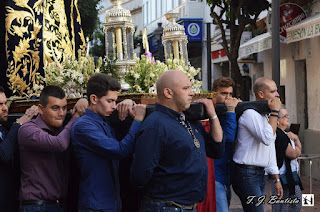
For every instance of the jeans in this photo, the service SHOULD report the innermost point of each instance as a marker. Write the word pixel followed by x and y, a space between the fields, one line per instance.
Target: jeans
pixel 250 186
pixel 147 205
pixel 223 196
pixel 40 208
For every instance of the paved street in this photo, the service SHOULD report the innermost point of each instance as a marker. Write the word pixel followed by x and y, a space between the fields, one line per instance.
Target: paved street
pixel 235 205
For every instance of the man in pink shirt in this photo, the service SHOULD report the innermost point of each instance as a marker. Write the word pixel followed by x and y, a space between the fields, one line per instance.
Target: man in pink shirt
pixel 42 144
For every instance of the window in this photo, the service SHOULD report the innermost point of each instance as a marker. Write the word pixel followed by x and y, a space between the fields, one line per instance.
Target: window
pixel 149 10
pixel 163 7
pixel 145 14
pixel 158 2
pixel 175 3
pixel 152 10
pixel 169 5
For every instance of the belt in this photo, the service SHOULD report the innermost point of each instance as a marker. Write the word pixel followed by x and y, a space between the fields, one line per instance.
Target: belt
pixel 249 167
pixel 41 202
pixel 173 203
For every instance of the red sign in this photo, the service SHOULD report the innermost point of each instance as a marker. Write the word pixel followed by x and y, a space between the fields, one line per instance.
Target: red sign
pixel 290 14
pixel 218 54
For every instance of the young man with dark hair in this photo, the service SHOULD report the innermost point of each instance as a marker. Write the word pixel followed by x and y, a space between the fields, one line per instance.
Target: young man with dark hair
pixel 42 144
pixel 223 88
pixel 96 148
pixel 8 145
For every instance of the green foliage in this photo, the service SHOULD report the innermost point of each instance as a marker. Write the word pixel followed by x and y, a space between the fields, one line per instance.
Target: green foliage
pixel 89 15
pixel 235 15
pixel 98 48
pixel 247 7
pixel 137 39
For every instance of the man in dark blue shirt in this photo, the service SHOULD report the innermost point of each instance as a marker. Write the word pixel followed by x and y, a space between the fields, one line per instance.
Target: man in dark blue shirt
pixel 8 145
pixel 96 149
pixel 169 162
pixel 223 87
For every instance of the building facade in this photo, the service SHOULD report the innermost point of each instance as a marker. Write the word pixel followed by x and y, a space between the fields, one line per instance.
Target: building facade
pixel 299 78
pixel 193 15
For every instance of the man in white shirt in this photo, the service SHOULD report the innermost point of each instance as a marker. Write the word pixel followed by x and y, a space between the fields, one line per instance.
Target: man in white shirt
pixel 255 149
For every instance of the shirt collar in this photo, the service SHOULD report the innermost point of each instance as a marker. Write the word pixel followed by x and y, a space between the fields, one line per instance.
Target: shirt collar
pixel 40 123
pixel 95 115
pixel 172 113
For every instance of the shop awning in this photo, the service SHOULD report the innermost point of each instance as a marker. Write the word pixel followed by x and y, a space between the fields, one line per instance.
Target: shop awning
pixel 307 28
pixel 257 44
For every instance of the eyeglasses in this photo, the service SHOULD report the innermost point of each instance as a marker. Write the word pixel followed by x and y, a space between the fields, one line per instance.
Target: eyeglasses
pixel 285 116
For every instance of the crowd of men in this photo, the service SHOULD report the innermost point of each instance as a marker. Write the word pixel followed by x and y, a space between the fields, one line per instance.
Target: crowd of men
pixel 169 167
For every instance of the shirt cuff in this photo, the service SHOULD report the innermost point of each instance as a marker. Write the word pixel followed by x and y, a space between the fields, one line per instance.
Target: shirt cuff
pixel 135 127
pixel 272 170
pixel 231 114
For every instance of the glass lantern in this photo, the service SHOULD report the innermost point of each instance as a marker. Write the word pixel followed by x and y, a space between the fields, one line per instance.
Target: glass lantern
pixel 119 31
pixel 174 39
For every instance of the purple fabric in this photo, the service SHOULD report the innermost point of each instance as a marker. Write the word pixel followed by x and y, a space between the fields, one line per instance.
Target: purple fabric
pixel 150 56
pixel 42 160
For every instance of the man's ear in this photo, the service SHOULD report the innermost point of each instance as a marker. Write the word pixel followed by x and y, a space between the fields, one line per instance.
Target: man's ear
pixel 168 93
pixel 40 108
pixel 261 94
pixel 93 99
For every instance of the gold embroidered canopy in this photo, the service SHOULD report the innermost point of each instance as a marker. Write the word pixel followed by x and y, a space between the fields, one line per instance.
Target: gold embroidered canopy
pixel 36 32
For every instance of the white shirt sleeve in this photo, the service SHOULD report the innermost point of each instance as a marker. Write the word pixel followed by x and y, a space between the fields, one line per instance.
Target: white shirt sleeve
pixel 258 126
pixel 272 167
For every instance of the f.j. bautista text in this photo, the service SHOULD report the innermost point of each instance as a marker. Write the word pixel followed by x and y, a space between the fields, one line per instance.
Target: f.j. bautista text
pixel 273 200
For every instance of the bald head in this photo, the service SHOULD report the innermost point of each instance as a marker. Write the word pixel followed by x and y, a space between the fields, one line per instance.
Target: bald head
pixel 265 89
pixel 169 79
pixel 174 90
pixel 261 84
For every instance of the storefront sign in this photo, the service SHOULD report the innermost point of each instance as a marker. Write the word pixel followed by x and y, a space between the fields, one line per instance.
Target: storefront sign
pixel 193 28
pixel 257 44
pixel 307 29
pixel 290 15
pixel 218 54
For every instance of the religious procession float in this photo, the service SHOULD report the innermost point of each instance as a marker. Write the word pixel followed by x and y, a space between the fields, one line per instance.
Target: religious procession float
pixel 41 50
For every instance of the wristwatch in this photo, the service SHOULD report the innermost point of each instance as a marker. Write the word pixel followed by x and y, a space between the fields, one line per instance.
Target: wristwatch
pixel 276 180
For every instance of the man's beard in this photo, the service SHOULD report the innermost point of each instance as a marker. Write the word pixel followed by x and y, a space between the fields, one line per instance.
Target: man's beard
pixel 3 120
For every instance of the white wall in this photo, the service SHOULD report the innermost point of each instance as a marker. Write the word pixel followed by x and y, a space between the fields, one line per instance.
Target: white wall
pixel 313 79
